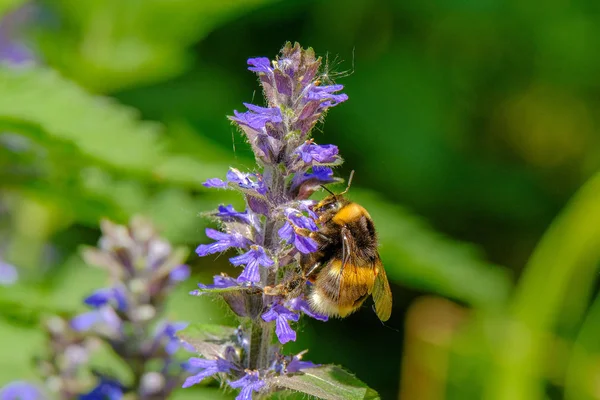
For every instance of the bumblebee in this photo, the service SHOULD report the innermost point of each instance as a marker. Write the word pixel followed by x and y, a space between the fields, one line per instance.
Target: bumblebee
pixel 346 269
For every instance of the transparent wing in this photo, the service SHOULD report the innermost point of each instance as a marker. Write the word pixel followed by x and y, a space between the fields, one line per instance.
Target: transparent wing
pixel 347 250
pixel 382 295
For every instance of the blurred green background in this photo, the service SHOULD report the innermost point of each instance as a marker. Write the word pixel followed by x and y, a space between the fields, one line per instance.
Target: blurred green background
pixel 470 124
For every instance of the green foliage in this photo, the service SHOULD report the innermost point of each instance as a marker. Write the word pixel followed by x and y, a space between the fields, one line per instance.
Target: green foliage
pixel 569 248
pixel 8 5
pixel 87 129
pixel 475 119
pixel 108 45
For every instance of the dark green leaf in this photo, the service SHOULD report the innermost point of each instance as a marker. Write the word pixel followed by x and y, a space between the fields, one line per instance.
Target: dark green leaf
pixel 415 254
pixel 92 130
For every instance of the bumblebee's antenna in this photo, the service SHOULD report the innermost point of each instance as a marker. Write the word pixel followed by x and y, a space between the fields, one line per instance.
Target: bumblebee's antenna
pixel 349 183
pixel 330 192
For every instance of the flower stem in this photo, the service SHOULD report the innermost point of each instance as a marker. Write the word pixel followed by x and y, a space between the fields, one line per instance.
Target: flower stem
pixel 261 339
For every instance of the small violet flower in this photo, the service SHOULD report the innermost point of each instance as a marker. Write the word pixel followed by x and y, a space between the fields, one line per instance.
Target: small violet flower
pixel 281 316
pixel 208 368
pixel 223 242
pixel 253 259
pixel 249 383
pixel 303 244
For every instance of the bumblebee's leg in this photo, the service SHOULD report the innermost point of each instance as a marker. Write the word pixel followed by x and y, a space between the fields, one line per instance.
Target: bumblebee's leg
pixel 286 288
pixel 311 234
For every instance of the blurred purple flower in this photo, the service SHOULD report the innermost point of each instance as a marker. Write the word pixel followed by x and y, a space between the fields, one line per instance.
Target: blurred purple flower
pixel 107 389
pixel 180 273
pixel 104 317
pixel 8 274
pixel 114 296
pixel 21 390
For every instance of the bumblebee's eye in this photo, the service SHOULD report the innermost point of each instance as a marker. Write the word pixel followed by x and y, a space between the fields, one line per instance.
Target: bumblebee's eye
pixel 331 206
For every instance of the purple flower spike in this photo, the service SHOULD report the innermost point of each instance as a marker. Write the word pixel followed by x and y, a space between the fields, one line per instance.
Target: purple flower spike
pixel 253 259
pixel 223 242
pixel 249 383
pixel 208 368
pixel 20 390
pixel 300 304
pixel 114 296
pixel 281 316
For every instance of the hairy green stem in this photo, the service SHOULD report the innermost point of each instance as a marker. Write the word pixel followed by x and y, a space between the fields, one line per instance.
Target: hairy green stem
pixel 261 338
pixel 570 249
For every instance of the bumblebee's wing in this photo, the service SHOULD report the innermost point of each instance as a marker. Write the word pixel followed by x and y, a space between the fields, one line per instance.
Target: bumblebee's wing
pixel 382 295
pixel 347 243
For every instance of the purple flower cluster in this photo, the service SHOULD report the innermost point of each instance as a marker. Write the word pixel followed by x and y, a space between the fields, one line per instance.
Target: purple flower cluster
pixel 271 233
pixel 126 316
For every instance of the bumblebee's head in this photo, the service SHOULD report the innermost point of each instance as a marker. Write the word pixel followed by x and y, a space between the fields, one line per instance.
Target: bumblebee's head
pixel 328 208
pixel 330 204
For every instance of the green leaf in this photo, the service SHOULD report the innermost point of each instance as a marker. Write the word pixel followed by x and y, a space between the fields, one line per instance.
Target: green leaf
pixel 112 44
pixel 328 382
pixel 20 347
pixel 207 339
pixel 92 130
